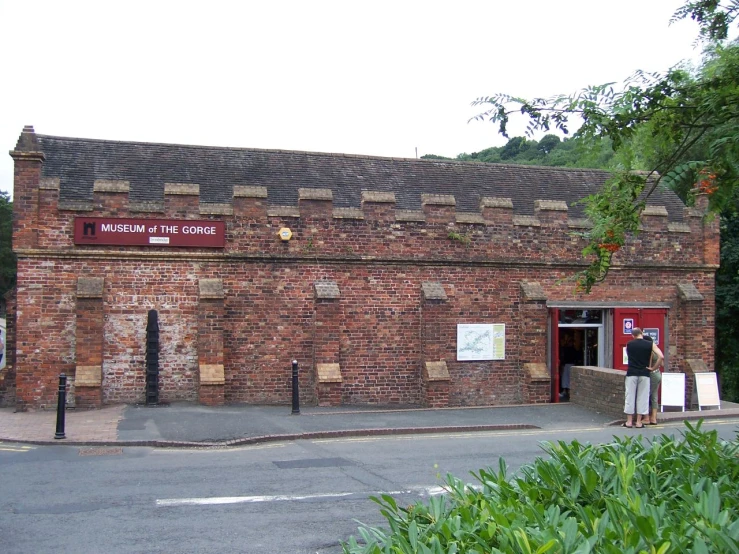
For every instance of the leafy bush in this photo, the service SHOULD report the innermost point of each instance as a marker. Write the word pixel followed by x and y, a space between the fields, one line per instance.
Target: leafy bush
pixel 670 495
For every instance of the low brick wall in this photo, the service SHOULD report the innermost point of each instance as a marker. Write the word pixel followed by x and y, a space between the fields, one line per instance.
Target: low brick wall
pixel 600 389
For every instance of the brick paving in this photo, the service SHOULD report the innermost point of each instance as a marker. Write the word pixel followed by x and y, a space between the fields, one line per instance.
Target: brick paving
pixel 89 425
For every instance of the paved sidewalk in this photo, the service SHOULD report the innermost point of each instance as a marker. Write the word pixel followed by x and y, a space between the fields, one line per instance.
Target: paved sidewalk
pixel 84 426
pixel 192 425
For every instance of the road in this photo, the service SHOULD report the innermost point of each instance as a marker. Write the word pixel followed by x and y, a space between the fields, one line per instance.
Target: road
pixel 292 497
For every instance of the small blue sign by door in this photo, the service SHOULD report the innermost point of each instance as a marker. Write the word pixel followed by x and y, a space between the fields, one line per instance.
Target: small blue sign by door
pixel 628 326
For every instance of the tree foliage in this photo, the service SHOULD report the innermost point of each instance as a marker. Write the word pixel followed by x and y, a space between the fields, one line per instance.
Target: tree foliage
pixel 727 305
pixel 679 113
pixel 551 150
pixel 7 258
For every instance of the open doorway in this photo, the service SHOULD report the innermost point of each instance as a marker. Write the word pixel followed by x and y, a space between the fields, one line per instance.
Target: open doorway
pixel 580 340
pixel 571 352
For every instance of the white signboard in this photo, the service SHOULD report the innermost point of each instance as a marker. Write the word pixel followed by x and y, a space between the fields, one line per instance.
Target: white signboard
pixel 707 387
pixel 480 341
pixel 673 390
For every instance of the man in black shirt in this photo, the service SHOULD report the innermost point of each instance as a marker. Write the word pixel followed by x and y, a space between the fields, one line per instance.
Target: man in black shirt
pixel 639 352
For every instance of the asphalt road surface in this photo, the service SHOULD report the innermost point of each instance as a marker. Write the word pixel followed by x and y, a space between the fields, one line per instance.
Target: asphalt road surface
pixel 293 497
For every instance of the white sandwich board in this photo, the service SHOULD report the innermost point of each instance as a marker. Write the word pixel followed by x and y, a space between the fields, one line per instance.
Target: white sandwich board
pixel 706 385
pixel 673 390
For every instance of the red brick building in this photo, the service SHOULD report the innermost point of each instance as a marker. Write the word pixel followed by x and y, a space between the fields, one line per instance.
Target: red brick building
pixel 390 281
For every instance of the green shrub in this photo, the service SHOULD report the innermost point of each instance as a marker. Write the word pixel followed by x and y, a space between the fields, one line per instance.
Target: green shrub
pixel 670 495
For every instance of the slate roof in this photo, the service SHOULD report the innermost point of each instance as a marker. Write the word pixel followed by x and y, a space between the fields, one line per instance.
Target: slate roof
pixel 147 166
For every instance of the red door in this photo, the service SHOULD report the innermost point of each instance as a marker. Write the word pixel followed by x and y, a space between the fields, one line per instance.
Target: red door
pixel 651 321
pixel 653 324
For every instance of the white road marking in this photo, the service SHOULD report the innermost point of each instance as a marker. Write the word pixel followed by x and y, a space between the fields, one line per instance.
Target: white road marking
pixel 215 500
pixel 16 448
pixel 242 499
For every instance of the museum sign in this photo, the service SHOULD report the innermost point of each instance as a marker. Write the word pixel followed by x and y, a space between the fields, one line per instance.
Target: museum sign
pixel 149 232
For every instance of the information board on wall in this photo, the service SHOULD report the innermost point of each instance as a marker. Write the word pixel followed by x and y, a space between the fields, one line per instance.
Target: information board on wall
pixel 653 333
pixel 480 341
pixel 673 390
pixel 706 386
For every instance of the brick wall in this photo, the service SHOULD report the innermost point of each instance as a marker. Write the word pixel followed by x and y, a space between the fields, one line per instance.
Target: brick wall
pixel 598 389
pixel 268 317
pixel 377 257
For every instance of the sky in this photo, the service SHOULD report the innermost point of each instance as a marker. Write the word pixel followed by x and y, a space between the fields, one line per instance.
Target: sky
pixel 378 78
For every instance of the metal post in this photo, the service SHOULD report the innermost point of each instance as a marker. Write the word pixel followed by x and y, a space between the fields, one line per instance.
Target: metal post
pixel 296 392
pixel 61 403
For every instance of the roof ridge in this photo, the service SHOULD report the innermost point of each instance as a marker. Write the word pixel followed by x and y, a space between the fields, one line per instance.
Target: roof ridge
pixel 520 166
pixel 227 148
pixel 325 154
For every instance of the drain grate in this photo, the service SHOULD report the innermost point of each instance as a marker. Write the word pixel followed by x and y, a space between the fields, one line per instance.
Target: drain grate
pixel 101 451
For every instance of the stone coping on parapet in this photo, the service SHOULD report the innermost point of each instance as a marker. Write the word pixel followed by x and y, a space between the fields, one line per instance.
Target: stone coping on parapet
pixel 145 253
pixel 493 211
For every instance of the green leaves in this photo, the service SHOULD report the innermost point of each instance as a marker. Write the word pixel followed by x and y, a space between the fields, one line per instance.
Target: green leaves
pixel 713 17
pixel 675 125
pixel 673 495
pixel 614 212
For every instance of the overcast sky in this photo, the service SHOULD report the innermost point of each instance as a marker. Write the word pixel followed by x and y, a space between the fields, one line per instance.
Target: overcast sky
pixel 386 78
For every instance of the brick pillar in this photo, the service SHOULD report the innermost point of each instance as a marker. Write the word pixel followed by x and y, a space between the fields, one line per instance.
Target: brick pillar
pixel 497 211
pixel 533 344
pixel 439 208
pixel 110 197
pixel 249 202
pixel 326 343
pixel 315 203
pixel 711 231
pixel 210 343
pixel 654 219
pixel 35 381
pixel 88 375
pixel 435 379
pixel 690 315
pixel 435 385
pixel 378 206
pixel 551 213
pixel 181 199
pixel 693 366
pixel 28 159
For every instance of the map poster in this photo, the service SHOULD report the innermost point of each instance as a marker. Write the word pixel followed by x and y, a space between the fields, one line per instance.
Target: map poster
pixel 480 341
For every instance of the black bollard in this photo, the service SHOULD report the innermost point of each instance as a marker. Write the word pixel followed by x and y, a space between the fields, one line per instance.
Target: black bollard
pixel 296 392
pixel 61 403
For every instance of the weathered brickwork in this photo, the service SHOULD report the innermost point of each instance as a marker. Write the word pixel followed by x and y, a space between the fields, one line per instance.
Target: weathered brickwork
pixel 599 389
pixel 375 322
